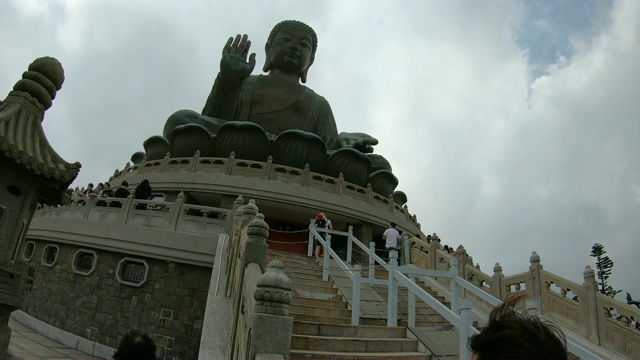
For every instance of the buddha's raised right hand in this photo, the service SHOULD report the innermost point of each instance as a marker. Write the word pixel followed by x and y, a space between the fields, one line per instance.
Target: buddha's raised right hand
pixel 233 64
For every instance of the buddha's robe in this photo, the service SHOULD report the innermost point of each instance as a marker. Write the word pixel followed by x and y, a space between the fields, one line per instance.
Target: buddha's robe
pixel 307 111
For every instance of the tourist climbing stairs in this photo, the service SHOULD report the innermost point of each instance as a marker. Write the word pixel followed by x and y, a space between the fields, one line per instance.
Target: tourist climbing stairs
pixel 322 320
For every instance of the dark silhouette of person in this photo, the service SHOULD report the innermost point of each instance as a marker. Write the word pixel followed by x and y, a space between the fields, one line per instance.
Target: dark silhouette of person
pixel 122 191
pixel 136 346
pixel 512 335
pixel 143 191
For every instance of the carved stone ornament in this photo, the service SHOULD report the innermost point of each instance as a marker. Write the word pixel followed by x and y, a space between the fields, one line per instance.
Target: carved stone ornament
pixel 258 230
pixel 273 293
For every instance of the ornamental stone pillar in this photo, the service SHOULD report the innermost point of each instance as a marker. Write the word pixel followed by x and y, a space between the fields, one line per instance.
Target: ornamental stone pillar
pixel 534 288
pixel 497 281
pixel 589 306
pixel 256 246
pixel 271 326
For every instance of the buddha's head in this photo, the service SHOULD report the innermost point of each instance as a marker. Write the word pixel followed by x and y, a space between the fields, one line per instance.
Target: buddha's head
pixel 291 47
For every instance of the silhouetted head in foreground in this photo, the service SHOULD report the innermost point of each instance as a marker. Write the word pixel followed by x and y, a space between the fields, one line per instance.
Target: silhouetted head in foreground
pixel 513 335
pixel 136 346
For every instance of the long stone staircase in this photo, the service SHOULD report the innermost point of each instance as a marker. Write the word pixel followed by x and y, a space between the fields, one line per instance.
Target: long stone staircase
pixel 321 327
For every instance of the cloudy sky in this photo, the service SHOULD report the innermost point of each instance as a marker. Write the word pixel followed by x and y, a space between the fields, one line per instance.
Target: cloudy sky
pixel 512 126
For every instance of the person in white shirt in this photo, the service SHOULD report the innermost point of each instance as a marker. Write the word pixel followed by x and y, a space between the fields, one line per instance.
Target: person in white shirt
pixel 391 236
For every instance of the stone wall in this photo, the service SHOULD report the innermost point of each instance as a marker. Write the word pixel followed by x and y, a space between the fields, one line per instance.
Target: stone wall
pixel 169 305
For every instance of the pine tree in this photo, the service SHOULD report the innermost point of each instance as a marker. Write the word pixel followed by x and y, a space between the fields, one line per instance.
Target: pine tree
pixel 630 301
pixel 604 266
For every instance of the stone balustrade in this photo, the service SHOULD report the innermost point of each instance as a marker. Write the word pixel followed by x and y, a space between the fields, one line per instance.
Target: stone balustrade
pixel 267 171
pixel 173 216
pixel 581 308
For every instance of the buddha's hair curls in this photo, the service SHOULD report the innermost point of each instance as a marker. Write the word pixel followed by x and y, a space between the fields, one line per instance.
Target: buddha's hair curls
pixel 295 24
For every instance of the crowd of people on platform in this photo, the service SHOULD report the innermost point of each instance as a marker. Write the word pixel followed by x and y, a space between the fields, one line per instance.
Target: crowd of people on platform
pixel 630 321
pixel 141 192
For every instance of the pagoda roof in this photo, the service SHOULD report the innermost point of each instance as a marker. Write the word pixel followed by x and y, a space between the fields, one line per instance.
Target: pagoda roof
pixel 22 139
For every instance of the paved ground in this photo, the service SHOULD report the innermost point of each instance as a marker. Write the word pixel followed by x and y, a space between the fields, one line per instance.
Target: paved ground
pixel 26 344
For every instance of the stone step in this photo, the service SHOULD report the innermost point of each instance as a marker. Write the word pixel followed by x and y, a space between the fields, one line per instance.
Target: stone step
pixel 349 344
pixel 297 280
pixel 335 304
pixel 303 270
pixel 319 319
pixel 316 295
pixel 304 276
pixel 293 259
pixel 347 330
pixel 402 294
pixel 321 311
pixel 320 288
pixel 323 355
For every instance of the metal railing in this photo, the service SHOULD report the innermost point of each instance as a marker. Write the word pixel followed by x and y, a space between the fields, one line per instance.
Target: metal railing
pixel 459 315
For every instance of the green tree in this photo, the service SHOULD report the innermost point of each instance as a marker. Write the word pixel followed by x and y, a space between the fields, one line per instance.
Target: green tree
pixel 604 266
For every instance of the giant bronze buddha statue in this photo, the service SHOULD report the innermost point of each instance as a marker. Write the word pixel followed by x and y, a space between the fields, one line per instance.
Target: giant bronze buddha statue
pixel 274 108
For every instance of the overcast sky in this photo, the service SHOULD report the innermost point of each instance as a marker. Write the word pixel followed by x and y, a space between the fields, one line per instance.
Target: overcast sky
pixel 512 126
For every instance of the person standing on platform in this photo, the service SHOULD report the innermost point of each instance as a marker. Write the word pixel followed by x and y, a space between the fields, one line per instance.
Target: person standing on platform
pixel 391 236
pixel 324 223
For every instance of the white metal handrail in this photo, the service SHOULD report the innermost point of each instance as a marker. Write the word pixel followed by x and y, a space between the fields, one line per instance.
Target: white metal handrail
pixel 460 313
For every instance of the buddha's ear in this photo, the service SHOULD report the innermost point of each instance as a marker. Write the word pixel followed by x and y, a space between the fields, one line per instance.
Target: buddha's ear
pixel 303 76
pixel 267 62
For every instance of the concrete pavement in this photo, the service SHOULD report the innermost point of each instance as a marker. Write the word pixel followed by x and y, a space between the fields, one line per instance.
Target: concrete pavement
pixel 26 344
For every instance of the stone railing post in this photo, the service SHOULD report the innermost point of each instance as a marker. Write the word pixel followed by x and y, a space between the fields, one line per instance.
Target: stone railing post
pixel 463 260
pixel 165 162
pixel 406 249
pixel 176 212
pixel 231 163
pixel 369 194
pixel 589 306
pixel 340 184
pixel 236 212
pixel 433 246
pixel 496 283
pixel 534 288
pixel 392 204
pixel 305 179
pixel 271 326
pixel 256 246
pixel 195 162
pixel 127 208
pixel 268 169
pixel 88 207
pixel 249 213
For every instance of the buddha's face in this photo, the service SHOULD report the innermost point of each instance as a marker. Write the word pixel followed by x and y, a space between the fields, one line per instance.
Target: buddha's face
pixel 291 51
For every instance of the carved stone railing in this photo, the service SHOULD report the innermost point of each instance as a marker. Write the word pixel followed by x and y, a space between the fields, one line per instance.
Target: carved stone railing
pixel 581 308
pixel 267 171
pixel 174 216
pixel 259 300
